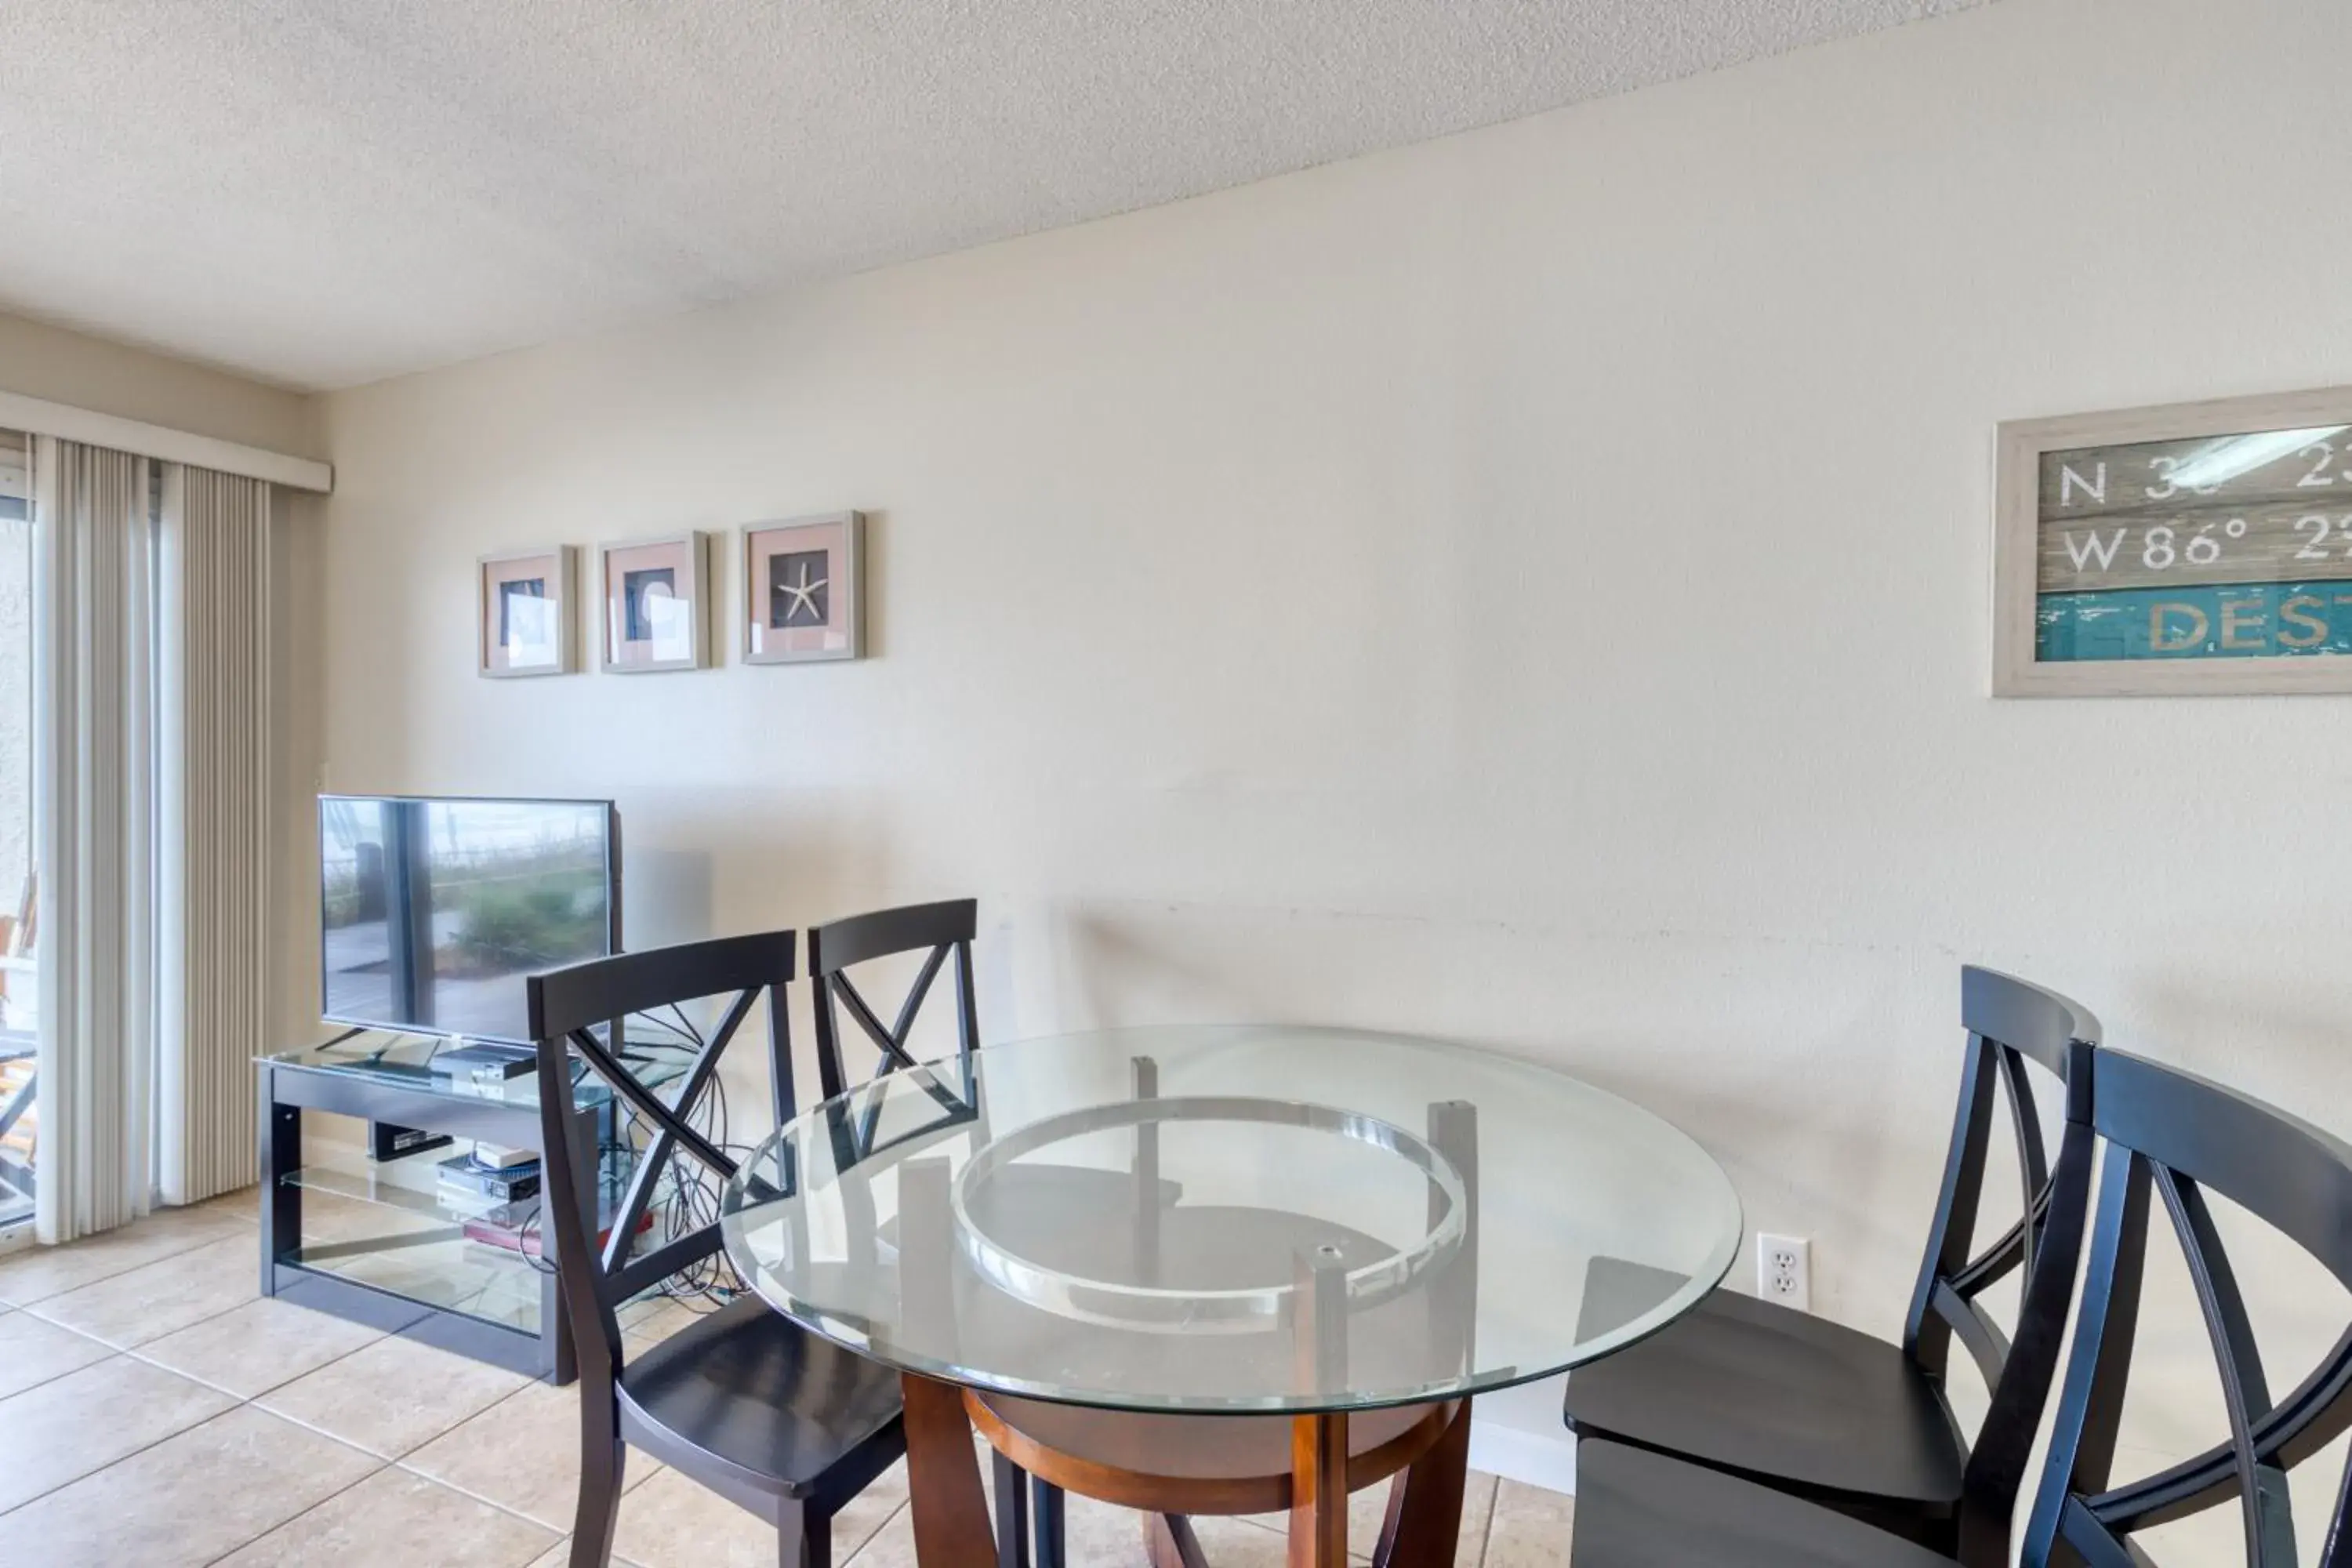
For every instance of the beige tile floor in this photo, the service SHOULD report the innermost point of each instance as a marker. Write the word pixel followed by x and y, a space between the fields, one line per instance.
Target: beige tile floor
pixel 156 1410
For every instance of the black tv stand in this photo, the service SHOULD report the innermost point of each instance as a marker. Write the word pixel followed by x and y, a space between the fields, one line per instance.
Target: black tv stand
pixel 381 1249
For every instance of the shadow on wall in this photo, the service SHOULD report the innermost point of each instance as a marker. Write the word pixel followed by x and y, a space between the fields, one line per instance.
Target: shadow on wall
pixel 666 896
pixel 874 600
pixel 789 860
pixel 784 860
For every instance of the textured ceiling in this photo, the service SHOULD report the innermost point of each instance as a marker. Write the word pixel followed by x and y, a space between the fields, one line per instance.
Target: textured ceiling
pixel 327 192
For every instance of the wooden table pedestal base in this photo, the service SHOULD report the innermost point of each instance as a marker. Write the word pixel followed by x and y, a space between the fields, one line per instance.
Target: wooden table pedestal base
pixel 1173 1467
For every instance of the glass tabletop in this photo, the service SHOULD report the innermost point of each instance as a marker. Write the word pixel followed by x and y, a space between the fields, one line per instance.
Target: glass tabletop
pixel 1231 1218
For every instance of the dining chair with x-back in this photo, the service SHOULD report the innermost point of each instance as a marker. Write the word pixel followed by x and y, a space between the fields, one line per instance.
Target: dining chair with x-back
pixel 2172 1142
pixel 1810 1407
pixel 778 1420
pixel 943 933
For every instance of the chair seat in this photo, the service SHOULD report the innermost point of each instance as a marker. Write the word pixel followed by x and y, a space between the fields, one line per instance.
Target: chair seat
pixel 1639 1509
pixel 1782 1397
pixel 747 1401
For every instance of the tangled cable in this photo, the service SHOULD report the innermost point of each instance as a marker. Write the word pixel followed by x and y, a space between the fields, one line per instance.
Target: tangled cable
pixel 687 1194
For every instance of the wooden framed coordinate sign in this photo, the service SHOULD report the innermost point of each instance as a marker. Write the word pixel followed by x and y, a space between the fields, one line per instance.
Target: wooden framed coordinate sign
pixel 2200 548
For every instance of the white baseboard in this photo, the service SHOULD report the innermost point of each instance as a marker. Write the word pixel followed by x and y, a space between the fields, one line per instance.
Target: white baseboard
pixel 1537 1458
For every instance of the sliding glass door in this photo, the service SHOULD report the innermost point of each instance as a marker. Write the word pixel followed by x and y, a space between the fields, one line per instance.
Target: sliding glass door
pixel 20 997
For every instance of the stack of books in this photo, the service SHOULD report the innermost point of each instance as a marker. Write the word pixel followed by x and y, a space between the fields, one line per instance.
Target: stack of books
pixel 517 1227
pixel 510 1227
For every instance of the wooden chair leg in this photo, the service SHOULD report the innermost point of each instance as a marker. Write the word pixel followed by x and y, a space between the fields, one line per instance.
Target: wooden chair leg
pixel 1045 1513
pixel 598 1514
pixel 1011 1484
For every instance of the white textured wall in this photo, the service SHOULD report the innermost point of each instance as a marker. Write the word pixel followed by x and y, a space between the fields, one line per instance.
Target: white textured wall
pixel 1530 586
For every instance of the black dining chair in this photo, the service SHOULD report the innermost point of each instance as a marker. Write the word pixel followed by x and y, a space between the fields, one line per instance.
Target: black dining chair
pixel 769 1416
pixel 1836 1416
pixel 2178 1137
pixel 942 932
pixel 2171 1137
pixel 1025 1508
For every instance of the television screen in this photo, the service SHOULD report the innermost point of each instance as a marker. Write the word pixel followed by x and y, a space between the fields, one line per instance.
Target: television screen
pixel 432 911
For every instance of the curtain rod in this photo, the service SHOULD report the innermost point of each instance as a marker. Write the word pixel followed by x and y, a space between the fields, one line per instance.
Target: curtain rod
pixel 39 416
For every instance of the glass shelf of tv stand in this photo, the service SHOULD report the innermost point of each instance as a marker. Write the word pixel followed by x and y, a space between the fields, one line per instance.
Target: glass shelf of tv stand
pixel 435 1266
pixel 408 1184
pixel 380 1223
pixel 405 1061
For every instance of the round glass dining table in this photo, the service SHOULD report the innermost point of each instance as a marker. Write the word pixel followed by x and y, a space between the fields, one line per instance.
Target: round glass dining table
pixel 1306 1225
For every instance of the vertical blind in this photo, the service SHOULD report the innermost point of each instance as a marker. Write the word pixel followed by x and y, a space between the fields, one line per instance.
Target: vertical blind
pixel 215 943
pixel 153 707
pixel 96 702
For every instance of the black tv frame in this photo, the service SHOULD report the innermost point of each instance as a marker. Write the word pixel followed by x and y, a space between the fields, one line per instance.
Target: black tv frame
pixel 402 922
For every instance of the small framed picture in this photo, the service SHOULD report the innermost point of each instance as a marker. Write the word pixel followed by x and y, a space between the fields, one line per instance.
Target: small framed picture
pixel 802 583
pixel 654 616
pixel 525 611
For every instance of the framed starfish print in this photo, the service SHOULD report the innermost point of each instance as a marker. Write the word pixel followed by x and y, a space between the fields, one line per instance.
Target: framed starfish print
pixel 802 586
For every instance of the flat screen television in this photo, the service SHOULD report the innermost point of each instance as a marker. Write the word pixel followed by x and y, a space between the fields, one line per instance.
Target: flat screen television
pixel 431 911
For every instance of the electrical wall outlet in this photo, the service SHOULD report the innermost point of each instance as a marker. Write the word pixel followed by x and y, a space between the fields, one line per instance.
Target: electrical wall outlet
pixel 1784 1271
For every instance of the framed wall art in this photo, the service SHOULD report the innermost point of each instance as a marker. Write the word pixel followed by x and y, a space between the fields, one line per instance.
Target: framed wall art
pixel 523 611
pixel 2194 549
pixel 803 585
pixel 653 594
